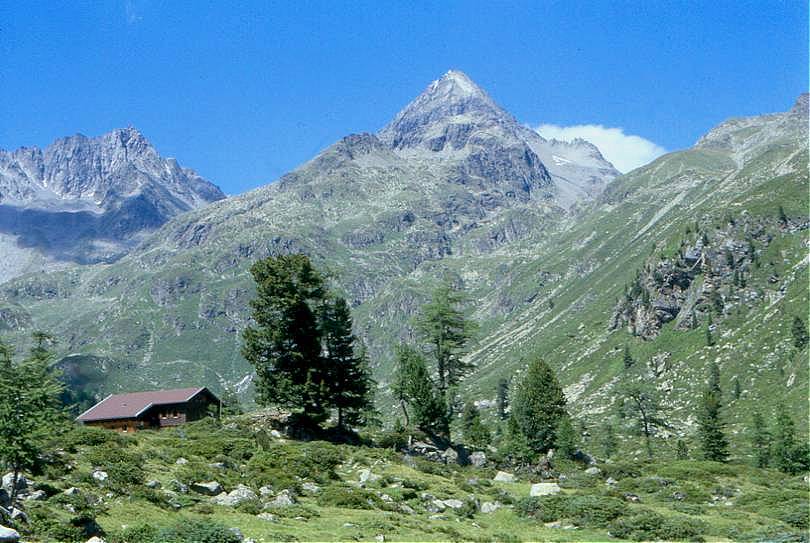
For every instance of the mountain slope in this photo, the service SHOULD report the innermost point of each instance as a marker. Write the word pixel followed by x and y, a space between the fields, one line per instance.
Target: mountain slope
pixel 87 200
pixel 455 186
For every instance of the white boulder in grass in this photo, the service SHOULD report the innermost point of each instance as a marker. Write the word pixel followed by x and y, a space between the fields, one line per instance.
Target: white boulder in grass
pixel 503 477
pixel 544 489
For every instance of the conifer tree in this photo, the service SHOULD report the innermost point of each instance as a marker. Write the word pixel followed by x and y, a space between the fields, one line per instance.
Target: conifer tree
pixel 709 337
pixel 737 388
pixel 609 443
pixel 348 376
pixel 476 434
pixel 789 456
pixel 515 445
pixel 284 343
pixel 29 406
pixel 566 440
pixel 538 404
pixel 714 444
pixel 783 219
pixel 414 388
pixel 639 401
pixel 502 398
pixel 760 441
pixel 799 332
pixel 445 329
pixel 627 358
pixel 681 450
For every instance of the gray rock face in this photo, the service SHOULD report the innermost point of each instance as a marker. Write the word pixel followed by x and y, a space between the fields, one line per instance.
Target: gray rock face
pixel 90 199
pixel 236 496
pixel 9 535
pixel 504 477
pixel 8 482
pixel 544 489
pixel 285 498
pixel 478 459
pixel 211 488
pixel 490 507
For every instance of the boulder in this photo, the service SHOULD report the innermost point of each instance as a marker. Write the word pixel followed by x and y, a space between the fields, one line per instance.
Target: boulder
pixel 285 498
pixel 210 488
pixel 269 517
pixel 407 509
pixel 8 535
pixel 5 499
pixel 478 459
pixel 18 515
pixel 238 533
pixel 180 461
pixel 100 476
pixel 593 470
pixel 236 496
pixel 504 477
pixel 8 479
pixel 266 491
pixel 73 491
pixel 153 483
pixel 490 507
pixel 631 497
pixel 276 434
pixel 95 539
pixel 367 477
pixel 435 506
pixel 37 495
pixel 179 487
pixel 611 481
pixel 450 456
pixel 310 488
pixel 544 489
pixel 453 503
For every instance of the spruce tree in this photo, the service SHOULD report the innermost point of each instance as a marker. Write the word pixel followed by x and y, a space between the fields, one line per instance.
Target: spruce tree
pixel 566 440
pixel 515 445
pixel 609 443
pixel 538 404
pixel 502 398
pixel 284 342
pixel 760 441
pixel 348 377
pixel 799 332
pixel 29 406
pixel 788 455
pixel 713 442
pixel 737 388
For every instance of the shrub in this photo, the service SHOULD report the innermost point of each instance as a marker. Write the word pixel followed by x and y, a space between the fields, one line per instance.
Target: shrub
pixel 125 469
pixel 281 464
pixel 644 525
pixel 250 507
pixel 348 498
pixel 92 436
pixel 186 531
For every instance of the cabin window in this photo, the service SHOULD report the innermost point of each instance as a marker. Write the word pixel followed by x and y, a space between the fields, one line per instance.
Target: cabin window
pixel 125 428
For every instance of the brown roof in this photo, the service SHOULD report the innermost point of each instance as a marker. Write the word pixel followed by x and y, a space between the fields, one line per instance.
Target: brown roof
pixel 129 406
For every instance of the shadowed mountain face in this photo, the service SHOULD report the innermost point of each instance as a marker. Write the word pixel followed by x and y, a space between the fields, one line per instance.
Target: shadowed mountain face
pixel 86 200
pixel 542 235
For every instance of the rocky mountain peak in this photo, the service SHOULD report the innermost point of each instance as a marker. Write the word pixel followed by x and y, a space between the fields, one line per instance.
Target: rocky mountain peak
pixel 802 106
pixel 452 100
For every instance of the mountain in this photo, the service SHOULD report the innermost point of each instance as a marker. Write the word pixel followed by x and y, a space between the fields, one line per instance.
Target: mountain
pixel 85 200
pixel 555 251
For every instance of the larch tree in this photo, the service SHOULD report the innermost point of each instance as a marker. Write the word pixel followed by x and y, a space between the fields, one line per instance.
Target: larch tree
pixel 639 400
pixel 445 330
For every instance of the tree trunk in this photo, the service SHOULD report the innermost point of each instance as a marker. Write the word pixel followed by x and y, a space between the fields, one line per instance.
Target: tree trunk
pixel 340 417
pixel 14 479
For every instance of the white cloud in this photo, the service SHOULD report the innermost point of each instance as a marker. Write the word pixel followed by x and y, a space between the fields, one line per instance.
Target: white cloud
pixel 624 151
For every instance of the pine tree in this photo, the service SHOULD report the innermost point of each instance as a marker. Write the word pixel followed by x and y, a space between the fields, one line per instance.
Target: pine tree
pixel 737 388
pixel 445 329
pixel 502 401
pixel 515 445
pixel 538 404
pixel 627 358
pixel 709 337
pixel 414 388
pixel 760 441
pixel 348 377
pixel 788 455
pixel 799 332
pixel 681 450
pixel 29 406
pixel 566 440
pixel 609 443
pixel 284 344
pixel 476 434
pixel 714 444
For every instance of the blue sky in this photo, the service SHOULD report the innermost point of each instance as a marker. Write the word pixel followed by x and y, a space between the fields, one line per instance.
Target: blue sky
pixel 244 94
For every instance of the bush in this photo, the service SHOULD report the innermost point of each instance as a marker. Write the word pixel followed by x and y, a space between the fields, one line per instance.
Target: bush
pixel 348 498
pixel 584 511
pixel 280 465
pixel 125 469
pixel 91 436
pixel 59 525
pixel 645 525
pixel 186 531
